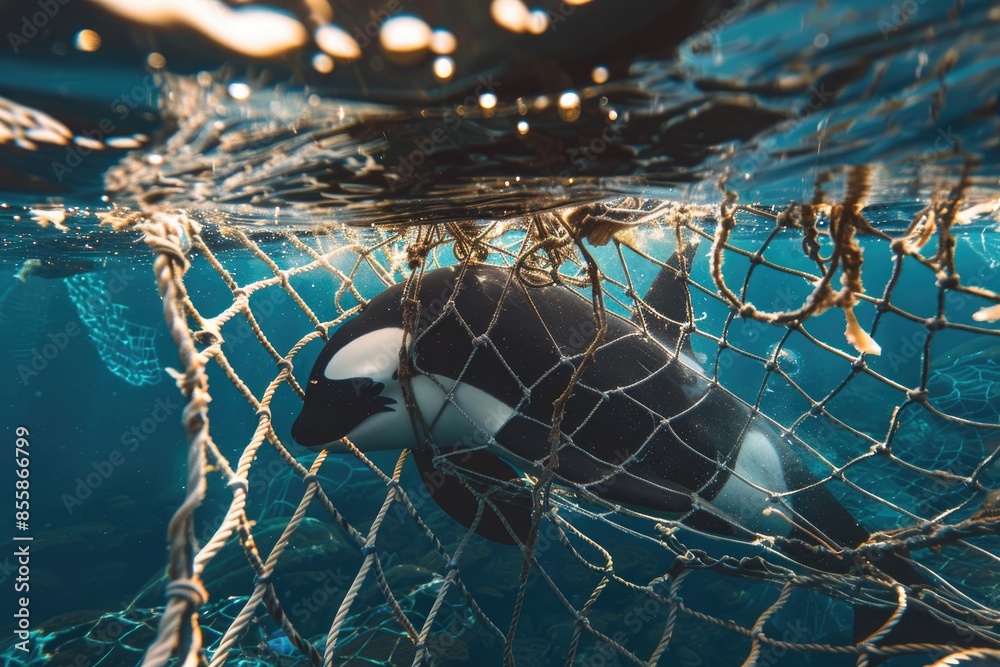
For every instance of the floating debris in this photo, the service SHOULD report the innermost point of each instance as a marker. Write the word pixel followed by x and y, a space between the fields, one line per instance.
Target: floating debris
pixel 990 314
pixel 46 217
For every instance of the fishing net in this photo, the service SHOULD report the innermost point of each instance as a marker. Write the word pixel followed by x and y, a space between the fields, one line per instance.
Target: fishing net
pixel 884 381
pixel 125 347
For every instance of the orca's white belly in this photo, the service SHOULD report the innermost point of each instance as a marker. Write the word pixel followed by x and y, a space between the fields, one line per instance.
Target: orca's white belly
pixel 470 418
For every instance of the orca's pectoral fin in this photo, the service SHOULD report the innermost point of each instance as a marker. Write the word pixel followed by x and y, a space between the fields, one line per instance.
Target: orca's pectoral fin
pixel 667 300
pixel 479 474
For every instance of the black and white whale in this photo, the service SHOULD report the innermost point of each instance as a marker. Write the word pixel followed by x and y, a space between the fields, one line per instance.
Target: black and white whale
pixel 644 425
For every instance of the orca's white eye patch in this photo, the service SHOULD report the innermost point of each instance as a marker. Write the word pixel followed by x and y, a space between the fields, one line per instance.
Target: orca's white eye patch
pixel 374 355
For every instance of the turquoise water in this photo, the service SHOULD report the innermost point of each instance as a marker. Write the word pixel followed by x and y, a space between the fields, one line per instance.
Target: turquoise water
pixel 771 95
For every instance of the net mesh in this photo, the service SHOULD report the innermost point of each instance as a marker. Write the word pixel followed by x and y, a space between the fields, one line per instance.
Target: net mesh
pixel 331 558
pixel 126 348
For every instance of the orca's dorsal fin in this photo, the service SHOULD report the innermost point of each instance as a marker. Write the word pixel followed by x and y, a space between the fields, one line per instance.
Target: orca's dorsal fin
pixel 510 497
pixel 665 306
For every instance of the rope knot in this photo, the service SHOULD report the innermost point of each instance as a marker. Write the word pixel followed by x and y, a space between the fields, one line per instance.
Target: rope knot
pixel 934 323
pixel 169 249
pixel 239 483
pixel 206 337
pixel 190 590
pixel 310 478
pixel 285 364
pixel 948 282
pixel 916 395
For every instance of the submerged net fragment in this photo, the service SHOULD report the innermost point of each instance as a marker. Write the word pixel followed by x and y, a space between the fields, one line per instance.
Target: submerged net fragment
pixel 128 349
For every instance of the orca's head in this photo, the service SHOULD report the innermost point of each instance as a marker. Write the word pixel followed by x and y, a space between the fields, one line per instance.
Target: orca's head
pixel 354 391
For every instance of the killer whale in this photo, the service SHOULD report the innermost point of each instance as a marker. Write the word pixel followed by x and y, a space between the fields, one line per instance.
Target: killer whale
pixel 644 426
